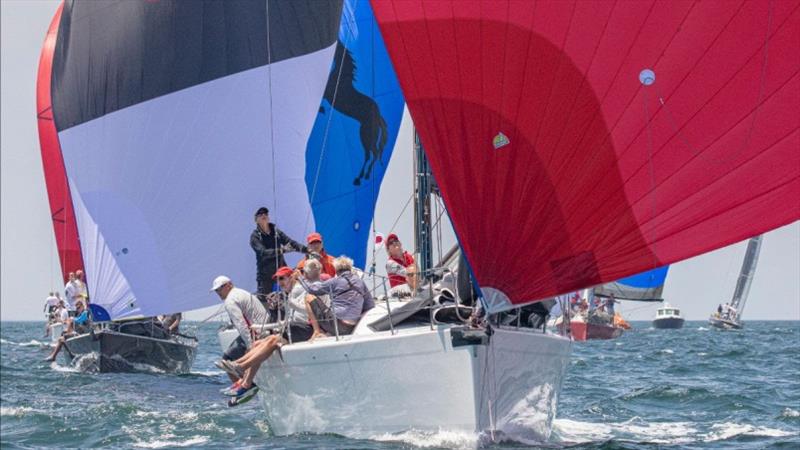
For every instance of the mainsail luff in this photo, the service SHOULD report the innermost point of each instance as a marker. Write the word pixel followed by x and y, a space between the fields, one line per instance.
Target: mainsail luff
pixel 577 143
pixel 746 274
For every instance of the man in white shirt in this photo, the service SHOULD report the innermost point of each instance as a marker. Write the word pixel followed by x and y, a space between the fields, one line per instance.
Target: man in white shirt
pixel 72 289
pixel 244 310
pixel 62 313
pixel 50 303
pixel 50 306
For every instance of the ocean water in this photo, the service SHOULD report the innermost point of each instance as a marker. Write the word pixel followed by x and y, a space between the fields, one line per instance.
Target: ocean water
pixel 693 388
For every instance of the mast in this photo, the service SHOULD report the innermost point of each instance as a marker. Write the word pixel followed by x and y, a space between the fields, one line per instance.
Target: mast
pixel 423 236
pixel 746 274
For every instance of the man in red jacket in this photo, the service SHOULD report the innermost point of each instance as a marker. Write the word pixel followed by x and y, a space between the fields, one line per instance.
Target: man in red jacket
pixel 399 259
pixel 314 241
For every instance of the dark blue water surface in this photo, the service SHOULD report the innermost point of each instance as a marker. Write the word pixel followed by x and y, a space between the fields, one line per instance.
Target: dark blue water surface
pixel 689 388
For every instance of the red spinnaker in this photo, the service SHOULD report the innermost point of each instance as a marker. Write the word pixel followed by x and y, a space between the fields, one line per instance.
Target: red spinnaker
pixel 69 250
pixel 578 143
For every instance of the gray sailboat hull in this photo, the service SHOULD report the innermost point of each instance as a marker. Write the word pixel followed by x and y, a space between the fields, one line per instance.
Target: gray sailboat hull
pixel 112 351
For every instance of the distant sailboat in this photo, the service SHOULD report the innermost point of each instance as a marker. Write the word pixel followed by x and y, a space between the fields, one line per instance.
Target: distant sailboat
pixel 594 316
pixel 729 315
pixel 155 117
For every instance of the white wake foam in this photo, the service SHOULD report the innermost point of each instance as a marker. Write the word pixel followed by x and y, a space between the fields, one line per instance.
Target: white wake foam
pixel 31 343
pixel 158 443
pixel 575 432
pixel 728 430
pixel 438 439
pixel 568 431
pixel 17 411
pixel 789 412
pixel 207 373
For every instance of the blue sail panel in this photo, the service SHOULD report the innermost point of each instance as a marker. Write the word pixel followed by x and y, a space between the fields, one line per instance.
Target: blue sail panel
pixel 355 130
pixel 645 286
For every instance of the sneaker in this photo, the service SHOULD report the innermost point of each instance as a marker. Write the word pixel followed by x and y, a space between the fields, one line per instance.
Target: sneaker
pixel 242 392
pixel 233 369
pixel 234 402
pixel 231 388
pixel 229 367
pixel 247 395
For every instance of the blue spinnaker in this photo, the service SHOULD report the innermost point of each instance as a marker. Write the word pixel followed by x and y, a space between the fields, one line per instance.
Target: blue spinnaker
pixel 352 140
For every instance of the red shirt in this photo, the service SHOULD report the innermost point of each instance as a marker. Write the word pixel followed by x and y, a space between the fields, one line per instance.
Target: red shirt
pixel 396 276
pixel 327 264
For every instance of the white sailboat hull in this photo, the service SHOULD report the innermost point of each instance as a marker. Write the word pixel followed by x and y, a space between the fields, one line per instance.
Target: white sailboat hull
pixel 381 383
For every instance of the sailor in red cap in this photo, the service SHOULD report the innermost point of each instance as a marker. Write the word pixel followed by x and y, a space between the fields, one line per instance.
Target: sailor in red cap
pixel 317 251
pixel 398 260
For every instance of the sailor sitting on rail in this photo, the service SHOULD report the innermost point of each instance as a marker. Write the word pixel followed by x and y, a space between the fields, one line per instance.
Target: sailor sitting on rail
pixel 82 323
pixel 245 311
pixel 299 324
pixel 350 298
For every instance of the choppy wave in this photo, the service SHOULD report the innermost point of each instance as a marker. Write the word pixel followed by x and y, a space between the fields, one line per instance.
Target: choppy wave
pixel 630 392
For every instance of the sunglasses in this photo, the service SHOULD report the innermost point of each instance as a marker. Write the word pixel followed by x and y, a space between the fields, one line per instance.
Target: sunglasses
pixel 282 278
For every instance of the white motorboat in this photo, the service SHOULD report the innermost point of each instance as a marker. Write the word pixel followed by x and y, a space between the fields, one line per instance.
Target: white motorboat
pixel 668 317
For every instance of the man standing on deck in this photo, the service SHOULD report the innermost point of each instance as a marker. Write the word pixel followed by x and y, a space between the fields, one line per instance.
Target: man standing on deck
pixel 269 244
pixel 72 289
pixel 50 308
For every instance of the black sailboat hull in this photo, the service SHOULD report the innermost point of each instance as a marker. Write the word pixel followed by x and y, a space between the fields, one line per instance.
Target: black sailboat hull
pixel 112 351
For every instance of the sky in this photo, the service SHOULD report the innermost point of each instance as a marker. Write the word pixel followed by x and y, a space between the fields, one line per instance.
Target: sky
pixel 29 265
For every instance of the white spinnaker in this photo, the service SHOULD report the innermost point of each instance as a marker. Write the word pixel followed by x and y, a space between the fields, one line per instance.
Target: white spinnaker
pixel 170 185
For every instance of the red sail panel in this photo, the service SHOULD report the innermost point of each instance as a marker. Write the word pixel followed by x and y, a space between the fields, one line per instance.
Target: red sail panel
pixel 578 143
pixel 64 225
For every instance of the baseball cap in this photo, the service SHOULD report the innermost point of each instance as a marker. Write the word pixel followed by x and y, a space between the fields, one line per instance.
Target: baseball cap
pixel 313 237
pixel 283 272
pixel 262 210
pixel 219 282
pixel 392 237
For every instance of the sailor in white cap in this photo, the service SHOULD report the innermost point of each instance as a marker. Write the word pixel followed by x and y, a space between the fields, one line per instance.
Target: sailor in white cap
pixel 245 312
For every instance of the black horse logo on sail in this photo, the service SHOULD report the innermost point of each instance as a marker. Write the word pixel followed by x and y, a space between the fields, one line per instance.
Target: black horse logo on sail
pixel 341 93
